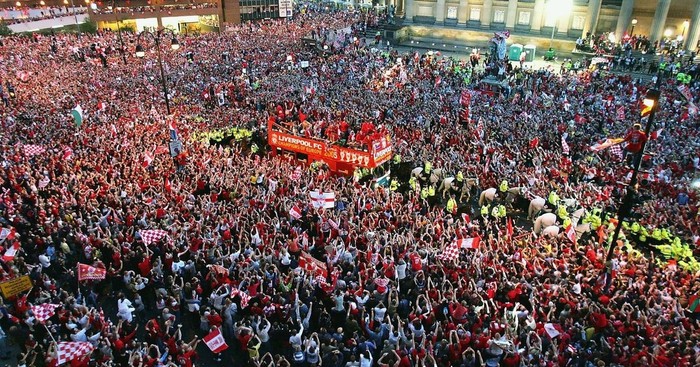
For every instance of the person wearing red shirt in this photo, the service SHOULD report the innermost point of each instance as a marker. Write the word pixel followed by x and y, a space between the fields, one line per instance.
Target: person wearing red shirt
pixel 635 139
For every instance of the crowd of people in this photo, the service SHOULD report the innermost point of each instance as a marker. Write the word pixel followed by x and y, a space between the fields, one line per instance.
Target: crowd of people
pixel 14 15
pixel 224 239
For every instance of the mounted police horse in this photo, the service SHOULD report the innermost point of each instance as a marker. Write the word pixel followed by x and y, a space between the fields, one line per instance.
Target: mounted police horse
pixel 544 223
pixel 539 205
pixel 488 196
pixel 451 185
pixel 436 175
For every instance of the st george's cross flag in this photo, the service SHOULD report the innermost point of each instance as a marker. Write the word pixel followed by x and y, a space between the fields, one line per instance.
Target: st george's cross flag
pixel 324 200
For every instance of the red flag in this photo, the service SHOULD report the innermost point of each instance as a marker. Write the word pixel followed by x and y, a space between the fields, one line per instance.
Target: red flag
pixel 468 243
pixel 534 142
pixel 7 234
pixel 67 153
pixel 509 227
pixel 44 311
pixel 218 269
pixel 694 303
pixel 451 252
pixel 87 272
pixel 147 159
pixel 161 149
pixel 312 265
pixel 571 233
pixel 168 186
pixel 11 252
pixel 295 212
pixel 621 113
pixel 655 135
pixel 70 351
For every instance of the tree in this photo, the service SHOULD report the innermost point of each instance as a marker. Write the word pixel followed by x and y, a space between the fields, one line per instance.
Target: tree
pixel 5 30
pixel 88 26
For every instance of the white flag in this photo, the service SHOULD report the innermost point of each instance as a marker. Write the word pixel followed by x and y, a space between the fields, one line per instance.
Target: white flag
pixel 324 200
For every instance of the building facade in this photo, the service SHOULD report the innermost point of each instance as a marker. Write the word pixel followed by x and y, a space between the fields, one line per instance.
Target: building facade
pixel 656 19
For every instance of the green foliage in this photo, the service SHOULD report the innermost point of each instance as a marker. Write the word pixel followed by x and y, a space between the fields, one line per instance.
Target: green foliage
pixel 88 26
pixel 128 28
pixel 219 135
pixel 5 30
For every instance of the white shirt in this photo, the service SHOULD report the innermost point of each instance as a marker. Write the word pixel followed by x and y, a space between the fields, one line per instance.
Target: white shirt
pixel 401 270
pixel 177 266
pixel 45 261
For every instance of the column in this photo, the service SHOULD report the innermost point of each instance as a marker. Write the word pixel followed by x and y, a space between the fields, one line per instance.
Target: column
pixel 462 16
pixel 440 12
pixel 486 14
pixel 511 13
pixel 694 29
pixel 408 11
pixel 537 16
pixel 563 24
pixel 592 17
pixel 623 20
pixel 657 25
pixel 159 17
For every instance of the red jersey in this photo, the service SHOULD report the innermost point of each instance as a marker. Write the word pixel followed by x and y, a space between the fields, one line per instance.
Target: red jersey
pixel 634 140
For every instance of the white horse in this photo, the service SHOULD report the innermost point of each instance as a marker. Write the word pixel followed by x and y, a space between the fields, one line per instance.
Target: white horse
pixel 538 204
pixel 575 220
pixel 551 231
pixel 450 183
pixel 577 215
pixel 435 175
pixel 488 195
pixel 543 221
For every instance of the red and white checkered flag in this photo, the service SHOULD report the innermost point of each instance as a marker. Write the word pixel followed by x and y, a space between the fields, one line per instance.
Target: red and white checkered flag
pixel 32 150
pixel 44 311
pixel 152 235
pixel 616 152
pixel 68 351
pixel 450 253
pixel 564 145
pixel 245 298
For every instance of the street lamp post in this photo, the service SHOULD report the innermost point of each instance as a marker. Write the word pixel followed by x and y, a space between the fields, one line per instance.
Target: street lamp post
pixel 140 53
pixel 634 23
pixel 119 31
pixel 651 100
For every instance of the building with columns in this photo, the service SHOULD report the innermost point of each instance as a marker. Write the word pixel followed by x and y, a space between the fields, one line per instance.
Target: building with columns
pixel 656 19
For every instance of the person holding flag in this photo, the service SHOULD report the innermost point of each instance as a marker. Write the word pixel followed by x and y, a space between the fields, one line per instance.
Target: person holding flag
pixel 635 141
